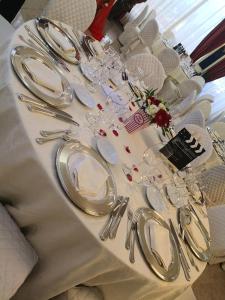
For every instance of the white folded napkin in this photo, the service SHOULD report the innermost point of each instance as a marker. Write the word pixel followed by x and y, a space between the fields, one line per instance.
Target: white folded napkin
pixel 91 176
pixel 17 257
pixel 58 37
pixel 44 76
pixel 98 48
pixel 160 241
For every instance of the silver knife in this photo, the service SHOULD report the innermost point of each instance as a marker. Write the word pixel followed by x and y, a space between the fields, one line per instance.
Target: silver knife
pixel 105 232
pixel 50 113
pixel 183 260
pixel 118 218
pixel 41 104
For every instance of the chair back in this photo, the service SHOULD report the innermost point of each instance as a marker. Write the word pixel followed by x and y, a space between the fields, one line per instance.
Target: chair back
pixel 205 106
pixel 76 13
pixel 149 33
pixel 220 128
pixel 6 30
pixel 188 86
pixel 195 117
pixel 169 59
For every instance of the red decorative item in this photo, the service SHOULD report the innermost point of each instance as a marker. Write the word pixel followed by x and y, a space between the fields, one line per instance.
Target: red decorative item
pixel 99 106
pixel 102 132
pixel 139 120
pixel 135 168
pixel 115 132
pixel 127 149
pixel 129 177
pixel 98 24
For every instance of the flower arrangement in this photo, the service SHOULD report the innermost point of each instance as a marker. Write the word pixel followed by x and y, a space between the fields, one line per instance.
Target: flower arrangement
pixel 155 108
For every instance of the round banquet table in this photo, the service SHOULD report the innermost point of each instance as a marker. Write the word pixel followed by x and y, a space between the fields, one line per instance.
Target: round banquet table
pixel 66 239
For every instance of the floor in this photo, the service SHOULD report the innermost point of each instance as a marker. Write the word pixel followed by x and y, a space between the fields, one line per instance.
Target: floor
pixel 211 284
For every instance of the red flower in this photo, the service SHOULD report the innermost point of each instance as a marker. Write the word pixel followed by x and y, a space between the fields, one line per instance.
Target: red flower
pixel 162 118
pixel 154 101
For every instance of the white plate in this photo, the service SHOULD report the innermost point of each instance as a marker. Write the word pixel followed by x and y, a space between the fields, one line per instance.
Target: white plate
pixel 107 151
pixel 155 199
pixel 83 95
pixel 175 197
pixel 86 70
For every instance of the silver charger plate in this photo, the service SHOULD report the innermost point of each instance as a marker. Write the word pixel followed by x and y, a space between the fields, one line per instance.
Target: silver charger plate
pixel 174 268
pixel 19 56
pixel 96 208
pixel 201 254
pixel 43 27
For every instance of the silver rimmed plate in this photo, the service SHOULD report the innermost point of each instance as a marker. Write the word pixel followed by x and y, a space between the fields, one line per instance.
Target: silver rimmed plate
pixel 186 216
pixel 51 32
pixel 96 207
pixel 174 268
pixel 19 56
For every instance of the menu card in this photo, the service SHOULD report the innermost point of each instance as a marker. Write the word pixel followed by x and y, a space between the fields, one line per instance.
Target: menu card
pixel 182 149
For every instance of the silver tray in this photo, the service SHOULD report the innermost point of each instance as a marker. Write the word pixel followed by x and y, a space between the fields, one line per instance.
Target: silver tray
pixel 174 268
pixel 96 208
pixel 42 27
pixel 19 55
pixel 201 254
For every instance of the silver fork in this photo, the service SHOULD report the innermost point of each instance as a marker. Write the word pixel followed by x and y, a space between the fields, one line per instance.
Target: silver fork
pixel 47 133
pixel 133 234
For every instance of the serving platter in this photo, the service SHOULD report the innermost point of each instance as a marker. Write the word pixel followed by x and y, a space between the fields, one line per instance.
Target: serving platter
pixel 44 27
pixel 185 214
pixel 20 55
pixel 106 201
pixel 173 270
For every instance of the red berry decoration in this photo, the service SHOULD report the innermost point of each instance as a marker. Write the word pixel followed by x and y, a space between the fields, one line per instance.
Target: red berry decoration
pixel 115 132
pixel 135 168
pixel 99 106
pixel 127 149
pixel 129 177
pixel 102 132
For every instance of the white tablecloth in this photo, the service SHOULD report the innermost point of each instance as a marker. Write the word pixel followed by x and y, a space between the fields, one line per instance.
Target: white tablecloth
pixel 65 239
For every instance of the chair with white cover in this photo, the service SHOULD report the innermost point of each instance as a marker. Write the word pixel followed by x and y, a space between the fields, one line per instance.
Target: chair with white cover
pixel 17 257
pixel 187 86
pixel 6 30
pixel 217 232
pixel 169 91
pixel 169 59
pixel 195 117
pixel 205 106
pixel 144 38
pixel 153 72
pixel 184 106
pixel 76 13
pixel 220 128
pixel 199 79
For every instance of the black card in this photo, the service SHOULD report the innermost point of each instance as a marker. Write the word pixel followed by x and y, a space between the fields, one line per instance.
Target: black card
pixel 182 149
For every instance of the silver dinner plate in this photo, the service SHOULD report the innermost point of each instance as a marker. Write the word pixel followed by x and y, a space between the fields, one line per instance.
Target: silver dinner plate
pixel 102 206
pixel 19 55
pixel 174 268
pixel 43 28
pixel 201 254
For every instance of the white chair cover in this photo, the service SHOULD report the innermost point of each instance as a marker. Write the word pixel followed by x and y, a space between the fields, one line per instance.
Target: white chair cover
pixel 76 13
pixel 17 258
pixel 196 117
pixel 169 59
pixel 185 105
pixel 217 232
pixel 153 72
pixel 205 106
pixel 206 97
pixel 6 30
pixel 169 91
pixel 199 79
pixel 220 128
pixel 188 86
pixel 135 22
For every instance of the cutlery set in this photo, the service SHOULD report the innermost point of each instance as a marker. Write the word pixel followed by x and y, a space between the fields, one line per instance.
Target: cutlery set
pixel 112 224
pixel 39 106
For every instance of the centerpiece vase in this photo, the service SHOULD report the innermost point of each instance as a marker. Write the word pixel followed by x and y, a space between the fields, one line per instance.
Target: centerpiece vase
pixel 137 121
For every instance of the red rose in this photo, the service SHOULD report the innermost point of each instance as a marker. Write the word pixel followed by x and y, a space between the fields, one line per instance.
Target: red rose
pixel 162 118
pixel 154 101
